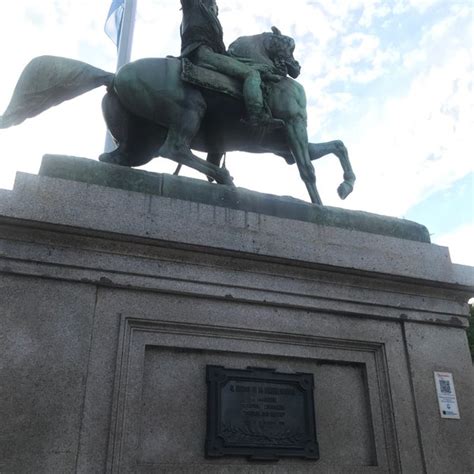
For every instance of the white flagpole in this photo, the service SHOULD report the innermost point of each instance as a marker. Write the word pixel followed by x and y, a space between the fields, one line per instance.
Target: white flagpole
pixel 124 50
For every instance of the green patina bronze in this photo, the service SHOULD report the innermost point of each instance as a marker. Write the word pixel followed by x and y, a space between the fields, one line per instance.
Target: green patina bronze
pixel 202 41
pixel 194 190
pixel 211 99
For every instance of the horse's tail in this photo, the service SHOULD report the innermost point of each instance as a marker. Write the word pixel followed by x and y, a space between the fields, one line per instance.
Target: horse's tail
pixel 48 81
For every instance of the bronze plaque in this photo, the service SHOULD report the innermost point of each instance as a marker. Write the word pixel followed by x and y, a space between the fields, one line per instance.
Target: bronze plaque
pixel 260 413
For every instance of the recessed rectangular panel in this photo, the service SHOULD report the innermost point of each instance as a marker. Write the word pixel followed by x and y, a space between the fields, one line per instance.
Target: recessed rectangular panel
pixel 171 422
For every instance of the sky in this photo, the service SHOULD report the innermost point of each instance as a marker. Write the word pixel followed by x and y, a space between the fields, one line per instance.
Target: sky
pixel 393 79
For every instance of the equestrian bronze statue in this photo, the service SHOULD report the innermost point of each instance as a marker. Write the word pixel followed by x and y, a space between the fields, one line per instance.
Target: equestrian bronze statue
pixel 210 99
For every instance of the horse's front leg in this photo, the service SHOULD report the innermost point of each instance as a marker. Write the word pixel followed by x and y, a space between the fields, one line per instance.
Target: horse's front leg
pixel 336 147
pixel 298 140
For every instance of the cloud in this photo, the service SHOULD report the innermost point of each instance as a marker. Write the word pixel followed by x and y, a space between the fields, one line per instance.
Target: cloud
pixel 157 29
pixel 460 244
pixel 414 130
pixel 67 28
pixel 363 55
pixel 421 6
pixel 415 144
pixel 392 78
pixel 362 12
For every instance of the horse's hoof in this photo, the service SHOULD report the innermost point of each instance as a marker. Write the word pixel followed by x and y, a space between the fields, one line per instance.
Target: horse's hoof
pixel 344 190
pixel 229 181
pixel 114 158
pixel 106 158
pixel 224 177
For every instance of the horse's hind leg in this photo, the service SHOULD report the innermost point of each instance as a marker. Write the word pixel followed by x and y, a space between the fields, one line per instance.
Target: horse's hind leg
pixel 118 122
pixel 178 141
pixel 213 158
pixel 137 139
pixel 176 150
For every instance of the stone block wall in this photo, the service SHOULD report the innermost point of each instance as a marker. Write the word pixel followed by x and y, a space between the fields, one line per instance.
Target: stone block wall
pixel 112 303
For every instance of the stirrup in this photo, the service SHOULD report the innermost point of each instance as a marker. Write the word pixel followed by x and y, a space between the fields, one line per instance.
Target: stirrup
pixel 264 122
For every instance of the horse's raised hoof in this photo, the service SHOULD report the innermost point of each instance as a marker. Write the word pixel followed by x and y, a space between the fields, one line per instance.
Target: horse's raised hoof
pixel 344 190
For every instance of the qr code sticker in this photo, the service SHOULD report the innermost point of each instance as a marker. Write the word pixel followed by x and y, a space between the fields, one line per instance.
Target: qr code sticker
pixel 445 386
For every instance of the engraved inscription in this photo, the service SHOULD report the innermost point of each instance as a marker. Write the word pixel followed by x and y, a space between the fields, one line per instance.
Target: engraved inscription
pixel 259 410
pixel 262 413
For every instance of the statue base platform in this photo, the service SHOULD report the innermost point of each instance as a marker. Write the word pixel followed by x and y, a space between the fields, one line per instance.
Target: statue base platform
pixel 119 287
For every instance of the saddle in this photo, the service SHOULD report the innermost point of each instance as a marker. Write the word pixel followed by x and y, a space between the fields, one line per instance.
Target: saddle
pixel 210 79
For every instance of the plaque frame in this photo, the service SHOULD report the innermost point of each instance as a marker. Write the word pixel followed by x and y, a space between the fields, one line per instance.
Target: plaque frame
pixel 218 444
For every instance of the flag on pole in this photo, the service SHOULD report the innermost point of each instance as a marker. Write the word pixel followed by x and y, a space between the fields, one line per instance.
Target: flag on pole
pixel 113 24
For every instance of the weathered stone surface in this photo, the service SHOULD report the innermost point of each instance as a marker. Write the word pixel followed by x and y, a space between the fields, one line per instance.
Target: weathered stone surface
pixel 194 190
pixel 127 296
pixel 441 349
pixel 44 338
pixel 175 347
pixel 176 221
pixel 179 414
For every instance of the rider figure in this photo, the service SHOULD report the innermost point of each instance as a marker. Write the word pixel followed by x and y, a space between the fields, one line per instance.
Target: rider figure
pixel 202 42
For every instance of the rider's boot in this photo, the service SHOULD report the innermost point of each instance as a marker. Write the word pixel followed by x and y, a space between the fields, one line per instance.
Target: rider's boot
pixel 258 117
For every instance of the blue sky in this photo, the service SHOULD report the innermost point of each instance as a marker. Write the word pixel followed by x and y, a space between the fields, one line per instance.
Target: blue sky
pixel 392 78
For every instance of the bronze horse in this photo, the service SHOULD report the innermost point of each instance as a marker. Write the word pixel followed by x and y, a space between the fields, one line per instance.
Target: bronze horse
pixel 151 111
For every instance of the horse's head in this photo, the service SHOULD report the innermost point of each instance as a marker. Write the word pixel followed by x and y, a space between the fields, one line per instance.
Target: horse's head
pixel 268 48
pixel 280 50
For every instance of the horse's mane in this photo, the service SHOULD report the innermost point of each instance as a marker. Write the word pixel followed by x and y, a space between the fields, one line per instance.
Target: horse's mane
pixel 253 48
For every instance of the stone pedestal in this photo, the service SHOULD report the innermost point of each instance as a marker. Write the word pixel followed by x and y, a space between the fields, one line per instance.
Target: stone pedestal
pixel 114 301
